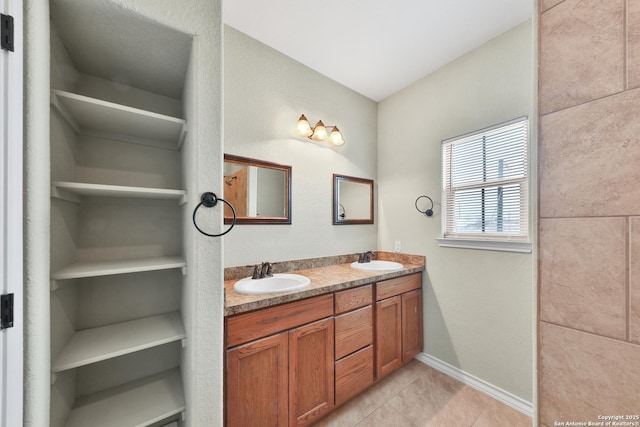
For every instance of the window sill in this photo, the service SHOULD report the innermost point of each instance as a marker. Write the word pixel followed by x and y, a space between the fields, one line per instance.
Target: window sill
pixel 487 245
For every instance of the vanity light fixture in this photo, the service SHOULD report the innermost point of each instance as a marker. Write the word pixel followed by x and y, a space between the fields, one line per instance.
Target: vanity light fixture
pixel 319 131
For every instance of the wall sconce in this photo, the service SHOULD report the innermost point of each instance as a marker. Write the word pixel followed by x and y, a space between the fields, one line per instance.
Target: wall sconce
pixel 319 131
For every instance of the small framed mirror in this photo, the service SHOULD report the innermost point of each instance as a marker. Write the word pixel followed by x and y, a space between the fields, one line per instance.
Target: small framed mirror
pixel 259 191
pixel 352 200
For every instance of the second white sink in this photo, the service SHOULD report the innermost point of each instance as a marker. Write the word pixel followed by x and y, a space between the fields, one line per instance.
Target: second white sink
pixel 269 285
pixel 378 265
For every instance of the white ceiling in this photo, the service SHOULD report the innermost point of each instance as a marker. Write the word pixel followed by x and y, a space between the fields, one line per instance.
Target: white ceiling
pixel 375 47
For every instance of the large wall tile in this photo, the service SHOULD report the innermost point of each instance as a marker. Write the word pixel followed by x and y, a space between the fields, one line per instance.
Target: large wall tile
pixel 581 52
pixel 633 43
pixel 584 375
pixel 589 157
pixel 583 274
pixel 634 279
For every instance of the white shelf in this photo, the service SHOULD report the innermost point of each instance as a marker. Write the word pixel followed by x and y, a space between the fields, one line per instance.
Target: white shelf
pixel 106 342
pixel 73 190
pixel 139 403
pixel 97 117
pixel 107 268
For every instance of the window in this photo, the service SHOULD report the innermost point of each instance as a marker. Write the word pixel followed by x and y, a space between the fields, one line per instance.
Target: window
pixel 485 184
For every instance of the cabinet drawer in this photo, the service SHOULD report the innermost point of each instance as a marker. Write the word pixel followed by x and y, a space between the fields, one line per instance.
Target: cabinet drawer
pixel 354 330
pixel 353 298
pixel 261 323
pixel 354 374
pixel 397 286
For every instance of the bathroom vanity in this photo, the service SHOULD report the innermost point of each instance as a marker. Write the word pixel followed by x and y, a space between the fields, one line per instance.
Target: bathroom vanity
pixel 292 358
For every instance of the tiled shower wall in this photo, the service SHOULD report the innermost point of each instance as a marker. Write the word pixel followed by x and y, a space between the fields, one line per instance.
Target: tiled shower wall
pixel 589 171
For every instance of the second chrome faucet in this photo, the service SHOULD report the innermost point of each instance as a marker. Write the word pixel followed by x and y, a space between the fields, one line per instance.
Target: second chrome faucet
pixel 365 257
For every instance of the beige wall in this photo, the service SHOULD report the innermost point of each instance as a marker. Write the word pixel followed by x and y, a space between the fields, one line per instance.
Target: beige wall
pixel 477 304
pixel 264 94
pixel 589 268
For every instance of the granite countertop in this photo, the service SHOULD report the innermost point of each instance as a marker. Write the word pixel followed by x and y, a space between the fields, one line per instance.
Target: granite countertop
pixel 327 274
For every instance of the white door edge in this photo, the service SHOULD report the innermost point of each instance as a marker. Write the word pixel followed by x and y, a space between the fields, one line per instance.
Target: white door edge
pixel 11 248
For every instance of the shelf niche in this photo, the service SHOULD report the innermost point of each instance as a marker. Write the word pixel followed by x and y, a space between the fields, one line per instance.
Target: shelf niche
pixel 106 342
pixel 142 402
pixel 90 116
pixel 74 191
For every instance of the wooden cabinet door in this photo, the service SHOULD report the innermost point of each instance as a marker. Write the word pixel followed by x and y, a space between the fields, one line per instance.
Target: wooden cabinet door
pixel 388 335
pixel 411 324
pixel 311 372
pixel 257 391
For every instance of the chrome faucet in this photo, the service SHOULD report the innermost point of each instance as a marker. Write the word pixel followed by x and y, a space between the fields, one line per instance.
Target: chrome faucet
pixel 266 270
pixel 262 271
pixel 365 257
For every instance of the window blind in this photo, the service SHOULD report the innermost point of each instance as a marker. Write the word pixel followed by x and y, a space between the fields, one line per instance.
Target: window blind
pixel 485 183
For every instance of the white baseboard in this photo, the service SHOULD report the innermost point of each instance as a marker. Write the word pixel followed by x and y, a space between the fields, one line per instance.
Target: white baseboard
pixel 509 399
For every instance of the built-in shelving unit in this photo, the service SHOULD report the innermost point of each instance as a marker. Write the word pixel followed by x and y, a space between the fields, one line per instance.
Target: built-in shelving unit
pixel 117 209
pixel 97 344
pixel 139 403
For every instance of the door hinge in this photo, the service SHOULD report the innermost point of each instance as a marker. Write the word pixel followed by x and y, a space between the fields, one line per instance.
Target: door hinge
pixel 6 32
pixel 6 311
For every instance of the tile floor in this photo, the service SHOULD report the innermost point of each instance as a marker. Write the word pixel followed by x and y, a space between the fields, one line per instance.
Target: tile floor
pixel 419 396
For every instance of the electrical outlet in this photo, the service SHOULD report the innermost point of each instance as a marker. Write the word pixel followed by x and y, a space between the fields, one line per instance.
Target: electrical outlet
pixel 398 246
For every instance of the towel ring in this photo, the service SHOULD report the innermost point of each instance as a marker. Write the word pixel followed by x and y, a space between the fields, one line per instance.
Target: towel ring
pixel 427 212
pixel 209 200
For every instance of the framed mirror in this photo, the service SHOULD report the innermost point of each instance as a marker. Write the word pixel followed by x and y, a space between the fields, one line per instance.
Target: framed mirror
pixel 352 200
pixel 259 191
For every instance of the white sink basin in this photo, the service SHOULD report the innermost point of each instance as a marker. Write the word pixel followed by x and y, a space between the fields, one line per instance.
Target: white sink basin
pixel 378 265
pixel 270 285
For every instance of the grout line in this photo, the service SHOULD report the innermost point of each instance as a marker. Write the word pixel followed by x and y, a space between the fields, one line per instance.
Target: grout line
pixel 588 101
pixel 595 334
pixel 485 409
pixel 552 7
pixel 390 398
pixel 401 414
pixel 585 217
pixel 628 281
pixel 625 45
pixel 386 401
